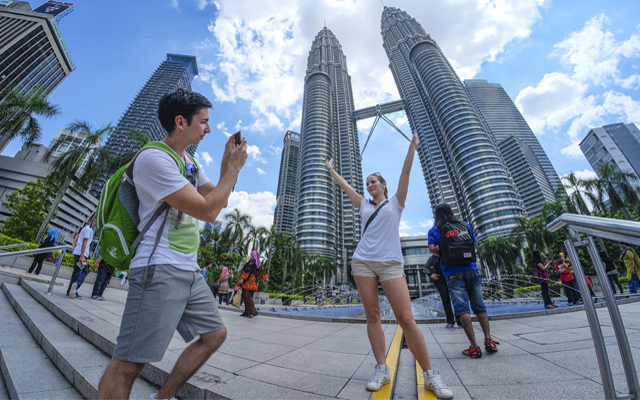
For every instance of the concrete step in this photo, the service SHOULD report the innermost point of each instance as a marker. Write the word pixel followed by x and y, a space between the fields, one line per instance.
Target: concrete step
pixel 80 362
pixel 103 335
pixel 27 370
pixel 4 395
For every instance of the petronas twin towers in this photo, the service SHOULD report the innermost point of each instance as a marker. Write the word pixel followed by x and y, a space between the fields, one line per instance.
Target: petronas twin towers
pixel 459 154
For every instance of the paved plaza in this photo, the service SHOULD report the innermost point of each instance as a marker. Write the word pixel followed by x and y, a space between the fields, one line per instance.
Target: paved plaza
pixel 547 356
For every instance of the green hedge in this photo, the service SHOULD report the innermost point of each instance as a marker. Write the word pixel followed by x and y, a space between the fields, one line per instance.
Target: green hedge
pixel 68 257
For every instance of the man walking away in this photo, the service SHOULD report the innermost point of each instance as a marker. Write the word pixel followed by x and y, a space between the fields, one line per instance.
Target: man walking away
pixel 632 262
pixel 454 241
pixel 165 292
pixel 80 254
pixel 205 273
pixel 105 271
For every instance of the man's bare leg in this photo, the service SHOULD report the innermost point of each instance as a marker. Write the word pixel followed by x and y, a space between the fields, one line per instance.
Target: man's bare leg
pixel 484 324
pixel 190 361
pixel 465 320
pixel 118 379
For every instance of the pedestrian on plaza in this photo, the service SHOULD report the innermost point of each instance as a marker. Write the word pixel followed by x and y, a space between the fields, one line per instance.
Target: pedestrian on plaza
pixel 541 270
pixel 632 262
pixel 38 259
pixel 319 296
pixel 612 272
pixel 567 279
pixel 165 292
pixel 454 241
pixel 205 273
pixel 434 271
pixel 223 285
pixel 378 260
pixel 249 281
pixel 105 271
pixel 81 243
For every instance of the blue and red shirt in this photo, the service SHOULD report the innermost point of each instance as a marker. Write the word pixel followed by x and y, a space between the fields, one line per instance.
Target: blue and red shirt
pixel 436 238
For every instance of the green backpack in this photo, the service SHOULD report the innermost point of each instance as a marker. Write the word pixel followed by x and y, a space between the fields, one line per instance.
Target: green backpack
pixel 117 215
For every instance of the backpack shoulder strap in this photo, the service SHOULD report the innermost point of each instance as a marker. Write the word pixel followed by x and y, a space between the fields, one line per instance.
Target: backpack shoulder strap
pixel 372 217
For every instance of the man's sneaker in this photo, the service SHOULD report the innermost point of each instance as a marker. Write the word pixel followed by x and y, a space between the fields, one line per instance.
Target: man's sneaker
pixel 74 286
pixel 96 297
pixel 433 382
pixel 380 378
pixel 100 298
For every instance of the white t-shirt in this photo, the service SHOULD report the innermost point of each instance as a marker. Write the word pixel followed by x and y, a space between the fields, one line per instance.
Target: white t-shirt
pixel 382 240
pixel 156 176
pixel 85 233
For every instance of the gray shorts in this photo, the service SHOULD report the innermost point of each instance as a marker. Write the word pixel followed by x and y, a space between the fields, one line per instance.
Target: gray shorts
pixel 162 299
pixel 384 270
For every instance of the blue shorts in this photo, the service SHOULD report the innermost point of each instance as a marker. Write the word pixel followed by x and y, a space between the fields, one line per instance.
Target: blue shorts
pixel 466 287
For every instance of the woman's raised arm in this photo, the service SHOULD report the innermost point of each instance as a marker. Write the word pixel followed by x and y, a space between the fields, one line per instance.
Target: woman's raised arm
pixel 403 185
pixel 355 198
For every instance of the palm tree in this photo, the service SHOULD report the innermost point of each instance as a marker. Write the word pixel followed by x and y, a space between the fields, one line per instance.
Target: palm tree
pixel 535 232
pixel 576 186
pixel 79 167
pixel 256 236
pixel 17 112
pixel 269 242
pixel 499 253
pixel 615 183
pixel 236 224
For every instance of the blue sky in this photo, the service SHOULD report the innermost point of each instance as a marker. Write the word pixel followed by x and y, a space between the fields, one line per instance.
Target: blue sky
pixel 568 65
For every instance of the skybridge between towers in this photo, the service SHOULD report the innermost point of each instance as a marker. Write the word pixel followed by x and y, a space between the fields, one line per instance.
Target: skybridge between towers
pixel 379 111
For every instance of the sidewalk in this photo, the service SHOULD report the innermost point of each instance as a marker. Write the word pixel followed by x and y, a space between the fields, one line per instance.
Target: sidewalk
pixel 548 356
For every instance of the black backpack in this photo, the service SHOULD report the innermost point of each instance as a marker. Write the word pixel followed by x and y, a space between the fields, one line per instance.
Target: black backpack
pixel 458 248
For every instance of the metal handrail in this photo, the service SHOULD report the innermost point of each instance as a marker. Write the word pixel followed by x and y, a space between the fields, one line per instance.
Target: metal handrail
pixel 13 246
pixel 43 250
pixel 614 229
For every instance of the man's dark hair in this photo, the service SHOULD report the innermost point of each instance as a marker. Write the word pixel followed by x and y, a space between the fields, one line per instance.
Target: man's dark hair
pixel 625 244
pixel 180 102
pixel 443 215
pixel 208 263
pixel 557 256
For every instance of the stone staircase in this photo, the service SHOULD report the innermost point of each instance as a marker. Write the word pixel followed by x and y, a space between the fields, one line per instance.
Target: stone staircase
pixel 52 348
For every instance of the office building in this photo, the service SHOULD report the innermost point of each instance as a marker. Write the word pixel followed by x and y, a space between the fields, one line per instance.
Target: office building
pixel 32 50
pixel 284 216
pixel 415 252
pixel 460 160
pixel 75 210
pixel 177 71
pixel 327 224
pixel 528 174
pixel 617 144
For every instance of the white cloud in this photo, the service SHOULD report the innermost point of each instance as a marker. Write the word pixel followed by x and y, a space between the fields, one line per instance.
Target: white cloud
pixel 223 129
pixel 426 223
pixel 259 206
pixel 254 152
pixel 173 4
pixel 404 227
pixel 263 47
pixel 207 157
pixel 275 149
pixel 260 171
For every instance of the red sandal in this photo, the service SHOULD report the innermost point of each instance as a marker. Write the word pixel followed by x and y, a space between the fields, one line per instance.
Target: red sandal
pixel 490 345
pixel 473 352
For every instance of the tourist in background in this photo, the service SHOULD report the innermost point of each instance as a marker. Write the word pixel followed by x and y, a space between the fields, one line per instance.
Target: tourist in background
pixel 38 259
pixel 542 275
pixel 463 277
pixel 567 279
pixel 319 296
pixel 434 271
pixel 612 272
pixel 632 262
pixel 81 244
pixel 249 281
pixel 223 285
pixel 105 271
pixel 378 260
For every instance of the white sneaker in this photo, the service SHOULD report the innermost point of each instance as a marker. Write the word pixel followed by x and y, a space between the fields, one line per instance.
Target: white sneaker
pixel 433 382
pixel 380 378
pixel 153 397
pixel 74 287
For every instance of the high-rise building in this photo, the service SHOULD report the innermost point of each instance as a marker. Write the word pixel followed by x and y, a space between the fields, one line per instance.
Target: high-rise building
pixel 32 51
pixel 504 119
pixel 616 144
pixel 460 159
pixel 535 178
pixel 284 216
pixel 527 173
pixel 178 71
pixel 327 224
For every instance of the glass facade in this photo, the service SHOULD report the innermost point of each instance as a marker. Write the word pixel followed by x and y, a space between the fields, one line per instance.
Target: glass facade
pixel 178 71
pixel 460 159
pixel 327 224
pixel 284 214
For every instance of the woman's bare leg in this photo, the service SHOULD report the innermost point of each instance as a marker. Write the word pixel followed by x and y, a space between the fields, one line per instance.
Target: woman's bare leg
pixel 368 289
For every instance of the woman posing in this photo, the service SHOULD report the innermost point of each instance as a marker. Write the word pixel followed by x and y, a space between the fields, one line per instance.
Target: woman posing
pixel 223 285
pixel 249 280
pixel 378 258
pixel 542 274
